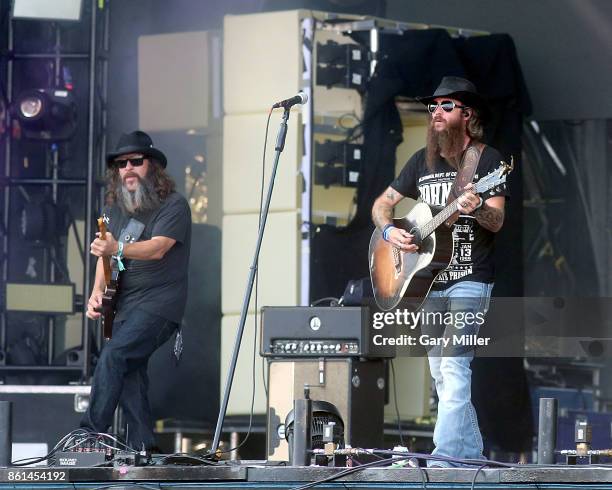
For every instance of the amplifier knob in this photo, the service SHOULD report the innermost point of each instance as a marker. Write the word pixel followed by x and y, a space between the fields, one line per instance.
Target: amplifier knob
pixel 306 347
pixel 326 347
pixel 318 346
pixel 337 347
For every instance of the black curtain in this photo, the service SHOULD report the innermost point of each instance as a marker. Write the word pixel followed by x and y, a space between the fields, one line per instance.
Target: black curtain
pixel 413 65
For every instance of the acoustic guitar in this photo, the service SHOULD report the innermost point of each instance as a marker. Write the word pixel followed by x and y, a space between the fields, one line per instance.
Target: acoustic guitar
pixel 396 274
pixel 111 278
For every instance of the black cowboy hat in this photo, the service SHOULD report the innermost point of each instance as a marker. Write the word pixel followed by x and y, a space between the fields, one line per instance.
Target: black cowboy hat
pixel 460 89
pixel 136 142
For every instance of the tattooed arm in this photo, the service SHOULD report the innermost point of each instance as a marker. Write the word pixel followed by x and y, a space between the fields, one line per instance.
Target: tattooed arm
pixel 491 214
pixel 382 214
pixel 382 211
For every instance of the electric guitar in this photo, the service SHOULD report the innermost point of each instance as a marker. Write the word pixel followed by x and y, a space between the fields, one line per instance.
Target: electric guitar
pixel 111 278
pixel 396 274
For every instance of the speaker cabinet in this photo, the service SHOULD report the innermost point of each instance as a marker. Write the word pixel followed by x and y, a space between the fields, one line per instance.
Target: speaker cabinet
pixel 43 414
pixel 356 388
pixel 189 391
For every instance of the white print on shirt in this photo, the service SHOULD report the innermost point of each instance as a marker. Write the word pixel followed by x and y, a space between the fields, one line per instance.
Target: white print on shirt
pixel 434 190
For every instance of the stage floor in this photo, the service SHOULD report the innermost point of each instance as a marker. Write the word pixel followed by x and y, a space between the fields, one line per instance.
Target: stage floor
pixel 234 476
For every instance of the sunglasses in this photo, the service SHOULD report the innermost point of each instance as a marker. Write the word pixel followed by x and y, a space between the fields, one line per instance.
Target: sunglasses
pixel 447 106
pixel 136 162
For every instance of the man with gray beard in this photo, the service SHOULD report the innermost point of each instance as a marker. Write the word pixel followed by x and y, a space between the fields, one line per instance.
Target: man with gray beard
pixel 464 287
pixel 142 198
pixel 149 235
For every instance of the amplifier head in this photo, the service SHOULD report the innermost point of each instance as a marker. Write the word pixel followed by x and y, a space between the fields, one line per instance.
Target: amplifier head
pixel 314 331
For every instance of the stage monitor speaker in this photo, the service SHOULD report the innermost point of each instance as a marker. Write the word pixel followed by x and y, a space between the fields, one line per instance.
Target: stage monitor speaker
pixel 356 388
pixel 43 414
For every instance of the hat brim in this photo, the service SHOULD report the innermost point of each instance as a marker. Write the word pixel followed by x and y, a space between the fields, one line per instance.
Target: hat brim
pixel 146 151
pixel 468 98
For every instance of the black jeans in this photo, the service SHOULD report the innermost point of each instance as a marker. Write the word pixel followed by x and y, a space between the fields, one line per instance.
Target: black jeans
pixel 121 377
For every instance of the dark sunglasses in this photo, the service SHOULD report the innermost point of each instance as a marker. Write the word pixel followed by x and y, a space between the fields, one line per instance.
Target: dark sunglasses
pixel 447 106
pixel 136 162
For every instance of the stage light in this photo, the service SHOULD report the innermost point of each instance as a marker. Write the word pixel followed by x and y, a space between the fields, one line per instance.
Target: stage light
pixel 46 114
pixel 30 107
pixel 41 222
pixel 66 10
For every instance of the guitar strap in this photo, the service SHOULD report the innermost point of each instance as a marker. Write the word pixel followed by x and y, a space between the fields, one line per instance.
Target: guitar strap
pixel 131 232
pixel 465 175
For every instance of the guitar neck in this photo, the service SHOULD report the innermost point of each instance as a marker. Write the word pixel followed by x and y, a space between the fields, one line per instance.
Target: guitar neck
pixel 429 227
pixel 107 270
pixel 492 179
pixel 105 260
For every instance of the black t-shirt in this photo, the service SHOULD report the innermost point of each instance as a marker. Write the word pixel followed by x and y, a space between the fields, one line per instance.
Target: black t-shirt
pixel 156 286
pixel 473 248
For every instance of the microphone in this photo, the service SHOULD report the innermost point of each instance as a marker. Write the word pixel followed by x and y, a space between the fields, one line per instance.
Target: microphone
pixel 300 98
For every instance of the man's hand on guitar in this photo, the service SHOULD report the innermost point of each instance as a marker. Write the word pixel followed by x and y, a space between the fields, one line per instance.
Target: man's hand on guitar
pixel 104 248
pixel 468 202
pixel 95 302
pixel 402 239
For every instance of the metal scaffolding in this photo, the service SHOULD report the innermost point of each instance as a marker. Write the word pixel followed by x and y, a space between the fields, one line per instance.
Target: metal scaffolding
pixel 97 59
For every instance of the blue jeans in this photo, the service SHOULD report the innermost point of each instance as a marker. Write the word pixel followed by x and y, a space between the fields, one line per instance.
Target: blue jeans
pixel 121 377
pixel 456 433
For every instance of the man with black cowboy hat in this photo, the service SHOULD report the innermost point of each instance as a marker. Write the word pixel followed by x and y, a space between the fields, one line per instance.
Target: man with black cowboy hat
pixel 457 112
pixel 149 235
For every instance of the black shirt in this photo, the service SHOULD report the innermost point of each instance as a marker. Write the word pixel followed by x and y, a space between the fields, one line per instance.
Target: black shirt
pixel 156 286
pixel 473 244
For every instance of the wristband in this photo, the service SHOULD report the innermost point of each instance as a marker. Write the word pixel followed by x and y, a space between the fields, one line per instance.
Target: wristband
pixel 385 232
pixel 119 256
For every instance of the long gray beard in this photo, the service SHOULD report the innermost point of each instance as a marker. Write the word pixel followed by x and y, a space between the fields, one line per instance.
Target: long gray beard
pixel 143 199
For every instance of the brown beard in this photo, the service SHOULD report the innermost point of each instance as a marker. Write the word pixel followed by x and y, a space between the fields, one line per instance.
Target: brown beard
pixel 449 141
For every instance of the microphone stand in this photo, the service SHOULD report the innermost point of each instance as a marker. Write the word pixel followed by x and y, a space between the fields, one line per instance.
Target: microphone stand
pixel 280 145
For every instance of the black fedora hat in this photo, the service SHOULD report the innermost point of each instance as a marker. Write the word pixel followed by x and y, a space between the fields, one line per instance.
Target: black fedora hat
pixel 136 142
pixel 460 89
